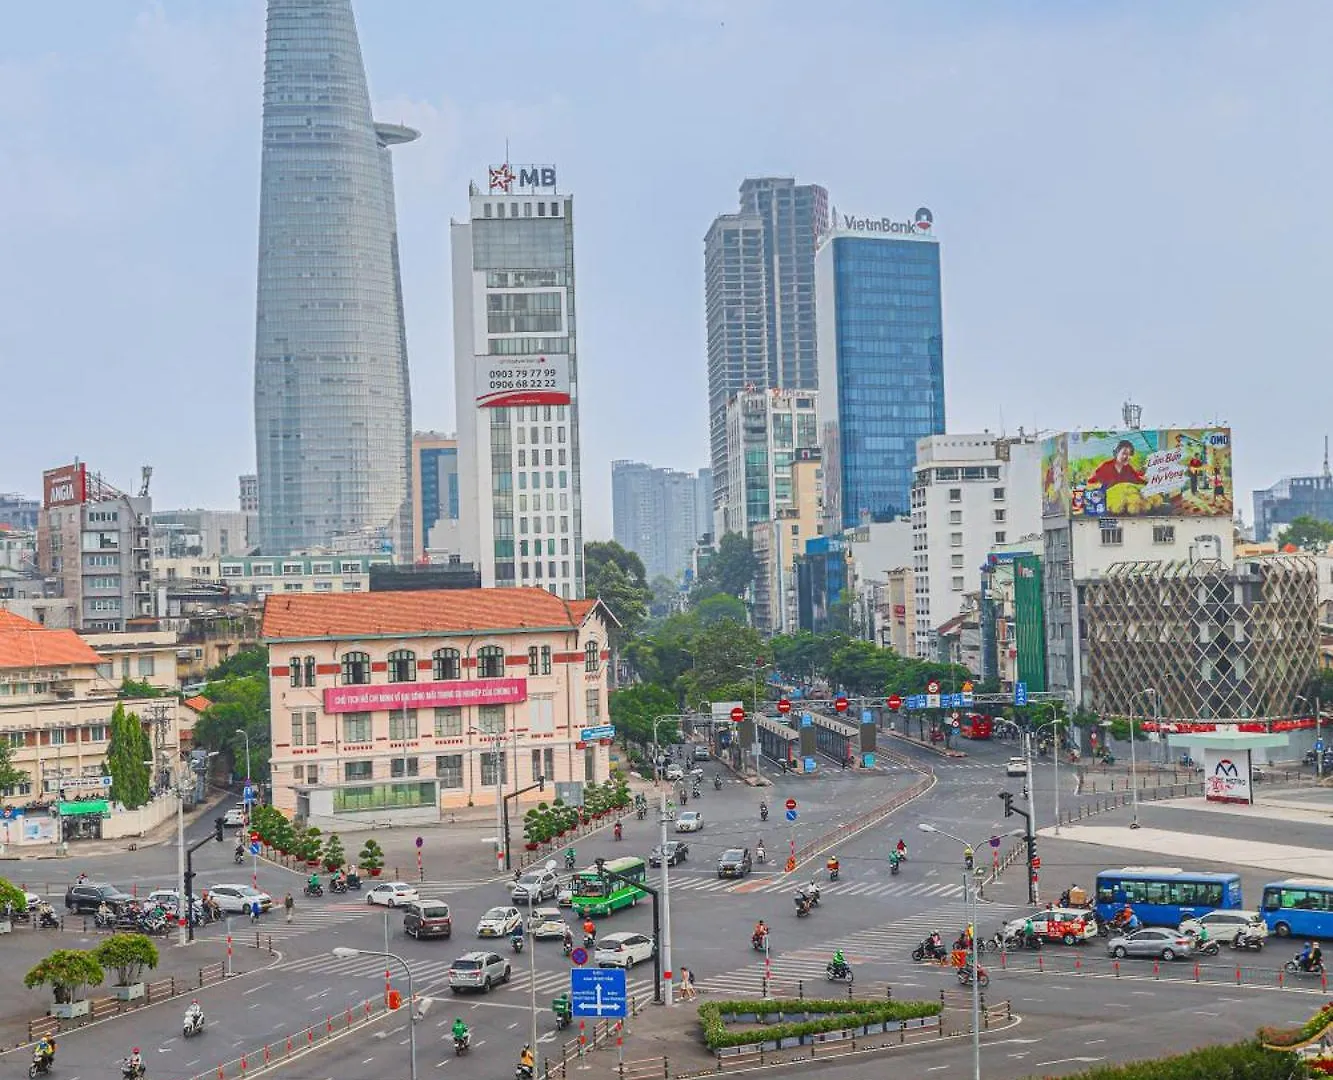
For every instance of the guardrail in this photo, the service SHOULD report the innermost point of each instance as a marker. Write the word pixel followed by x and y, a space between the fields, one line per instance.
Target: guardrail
pixel 870 817
pixel 1100 805
pixel 602 1033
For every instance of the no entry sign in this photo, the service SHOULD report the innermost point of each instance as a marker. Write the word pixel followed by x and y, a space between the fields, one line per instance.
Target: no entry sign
pixel 737 714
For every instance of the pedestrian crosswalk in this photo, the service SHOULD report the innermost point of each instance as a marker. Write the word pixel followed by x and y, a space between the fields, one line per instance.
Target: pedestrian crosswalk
pixel 770 883
pixel 312 916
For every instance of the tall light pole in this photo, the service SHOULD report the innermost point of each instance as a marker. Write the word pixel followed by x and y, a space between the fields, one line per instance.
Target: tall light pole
pixel 1055 722
pixel 1134 759
pixel 532 970
pixel 662 818
pixel 343 953
pixel 249 785
pixel 182 924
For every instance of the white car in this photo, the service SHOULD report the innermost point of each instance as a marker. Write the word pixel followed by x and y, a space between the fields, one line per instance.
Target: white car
pixel 392 894
pixel 675 772
pixel 1224 925
pixel 689 821
pixel 238 898
pixel 499 922
pixel 547 922
pixel 1069 925
pixel 233 818
pixel 623 950
pixel 1016 766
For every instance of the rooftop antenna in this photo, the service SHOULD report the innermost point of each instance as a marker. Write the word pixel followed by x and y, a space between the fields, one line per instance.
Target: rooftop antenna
pixel 1326 472
pixel 1132 415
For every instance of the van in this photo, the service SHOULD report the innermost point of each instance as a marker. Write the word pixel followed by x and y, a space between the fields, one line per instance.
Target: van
pixel 427 919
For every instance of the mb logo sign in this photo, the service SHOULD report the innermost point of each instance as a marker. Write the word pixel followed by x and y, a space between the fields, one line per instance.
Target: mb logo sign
pixel 521 179
pixel 536 176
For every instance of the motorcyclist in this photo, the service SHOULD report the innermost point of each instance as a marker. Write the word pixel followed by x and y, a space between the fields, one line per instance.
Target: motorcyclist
pixel 763 809
pixel 1029 932
pixel 813 891
pixel 1202 937
pixel 525 1059
pixel 194 1015
pixel 239 853
pixel 839 963
pixel 134 1063
pixel 338 877
pixel 901 849
pixel 590 930
pixel 516 938
pixel 832 865
pixel 894 859
pixel 619 831
pixel 568 939
pixel 104 911
pixel 759 852
pixel 570 856
pixel 1316 958
pixel 313 883
pixel 46 1050
pixel 460 1030
pixel 760 932
pixel 1303 960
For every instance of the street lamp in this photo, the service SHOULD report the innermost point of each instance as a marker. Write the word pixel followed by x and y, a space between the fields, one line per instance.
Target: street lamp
pixel 1134 758
pixel 182 909
pixel 344 953
pixel 254 855
pixel 532 967
pixel 1055 722
pixel 658 772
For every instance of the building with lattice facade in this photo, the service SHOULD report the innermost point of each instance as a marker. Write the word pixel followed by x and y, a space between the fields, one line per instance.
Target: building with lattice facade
pixel 1216 640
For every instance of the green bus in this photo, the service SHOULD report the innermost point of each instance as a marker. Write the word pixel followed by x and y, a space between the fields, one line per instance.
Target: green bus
pixel 595 895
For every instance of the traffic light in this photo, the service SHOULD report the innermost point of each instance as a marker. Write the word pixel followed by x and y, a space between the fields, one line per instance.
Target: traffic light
pixel 1008 803
pixel 968 857
pixel 217 829
pixel 541 783
pixel 1032 848
pixel 254 838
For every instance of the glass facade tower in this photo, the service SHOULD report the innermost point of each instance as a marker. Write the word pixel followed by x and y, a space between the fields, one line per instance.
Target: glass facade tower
pixel 881 370
pixel 333 411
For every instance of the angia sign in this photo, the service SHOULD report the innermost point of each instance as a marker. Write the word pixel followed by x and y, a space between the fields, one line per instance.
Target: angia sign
pixel 425 695
pixel 66 486
pixel 1226 775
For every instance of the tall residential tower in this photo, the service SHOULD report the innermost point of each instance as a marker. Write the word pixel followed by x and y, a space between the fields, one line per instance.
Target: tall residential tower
pixel 333 410
pixel 516 378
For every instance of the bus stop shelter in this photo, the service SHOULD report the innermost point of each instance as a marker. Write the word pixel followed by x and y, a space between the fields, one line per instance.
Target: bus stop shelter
pixel 1226 755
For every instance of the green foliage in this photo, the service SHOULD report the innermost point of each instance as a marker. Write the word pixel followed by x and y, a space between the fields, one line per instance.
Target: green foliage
pixel 137 688
pixel 725 654
pixel 617 578
pixel 716 608
pixel 12 896
pixel 1284 1038
pixel 538 824
pixel 372 856
pixel 837 1014
pixel 125 757
pixel 240 702
pixel 1238 1061
pixel 309 846
pixel 1307 533
pixel 245 662
pixel 67 972
pixel 730 569
pixel 334 855
pixel 634 709
pixel 128 955
pixel 9 775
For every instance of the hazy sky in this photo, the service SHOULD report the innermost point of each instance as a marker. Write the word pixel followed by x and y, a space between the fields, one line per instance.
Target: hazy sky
pixel 1132 198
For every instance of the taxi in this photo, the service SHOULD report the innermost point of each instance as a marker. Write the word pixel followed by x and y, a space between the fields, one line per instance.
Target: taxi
pixel 1068 925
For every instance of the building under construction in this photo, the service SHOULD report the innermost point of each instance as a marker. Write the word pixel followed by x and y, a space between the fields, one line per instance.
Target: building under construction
pixel 1215 641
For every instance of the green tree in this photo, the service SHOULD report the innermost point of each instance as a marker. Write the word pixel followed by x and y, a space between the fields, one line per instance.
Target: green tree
pixel 731 569
pixel 67 972
pixel 372 856
pixel 252 660
pixel 240 702
pixel 334 855
pixel 617 578
pixel 12 898
pixel 9 775
pixel 1307 533
pixel 126 756
pixel 715 608
pixel 665 593
pixel 634 709
pixel 726 655
pixel 128 955
pixel 136 688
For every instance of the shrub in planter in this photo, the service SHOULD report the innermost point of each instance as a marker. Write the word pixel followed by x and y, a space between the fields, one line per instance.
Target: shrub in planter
pixel 823 1016
pixel 1238 1061
pixel 12 898
pixel 1311 1029
pixel 284 836
pixel 372 858
pixel 127 955
pixel 68 972
pixel 334 855
pixel 309 846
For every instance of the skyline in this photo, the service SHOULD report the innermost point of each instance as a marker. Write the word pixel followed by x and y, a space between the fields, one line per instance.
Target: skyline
pixel 1118 191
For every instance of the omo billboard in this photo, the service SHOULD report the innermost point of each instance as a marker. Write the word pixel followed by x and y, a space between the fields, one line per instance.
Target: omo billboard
pixel 1170 472
pixel 522 380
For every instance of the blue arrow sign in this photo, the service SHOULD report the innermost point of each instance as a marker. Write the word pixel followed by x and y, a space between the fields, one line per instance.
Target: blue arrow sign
pixel 867 717
pixel 1318 745
pixel 807 720
pixel 598 992
pixel 591 734
pixel 808 764
pixel 254 847
pixel 1020 693
pixel 791 815
pixel 248 794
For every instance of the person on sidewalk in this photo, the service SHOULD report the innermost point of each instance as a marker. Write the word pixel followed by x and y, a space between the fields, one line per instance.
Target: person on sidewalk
pixel 289 905
pixel 254 911
pixel 687 990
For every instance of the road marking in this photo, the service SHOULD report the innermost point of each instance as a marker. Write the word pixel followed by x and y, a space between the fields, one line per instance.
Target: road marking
pixel 1065 1061
pixel 1114 1005
pixel 1145 993
pixel 936 1068
pixel 1092 1042
pixel 259 987
pixel 1204 1012
pixel 367 1061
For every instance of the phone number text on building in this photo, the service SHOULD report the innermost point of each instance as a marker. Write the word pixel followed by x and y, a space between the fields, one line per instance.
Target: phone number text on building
pixel 536 380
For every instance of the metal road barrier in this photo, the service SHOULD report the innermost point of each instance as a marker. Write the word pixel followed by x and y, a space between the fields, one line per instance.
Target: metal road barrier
pixel 871 817
pixel 102 1008
pixel 602 1034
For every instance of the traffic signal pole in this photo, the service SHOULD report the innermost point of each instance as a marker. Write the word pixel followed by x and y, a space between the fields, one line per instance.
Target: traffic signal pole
pixel 188 898
pixel 1031 839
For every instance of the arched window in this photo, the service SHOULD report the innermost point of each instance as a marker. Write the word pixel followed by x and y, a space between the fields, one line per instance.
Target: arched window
pixel 592 657
pixel 402 665
pixel 490 662
pixel 355 668
pixel 445 665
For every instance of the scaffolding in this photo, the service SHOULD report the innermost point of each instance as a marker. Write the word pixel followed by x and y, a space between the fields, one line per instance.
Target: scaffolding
pixel 1215 641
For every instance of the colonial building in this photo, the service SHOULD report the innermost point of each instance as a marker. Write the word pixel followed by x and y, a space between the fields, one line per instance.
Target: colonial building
pixel 391 706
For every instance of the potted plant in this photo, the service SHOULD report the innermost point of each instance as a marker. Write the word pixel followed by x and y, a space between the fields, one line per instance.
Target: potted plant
pixel 67 972
pixel 372 858
pixel 334 855
pixel 127 955
pixel 12 900
pixel 311 847
pixel 284 836
pixel 531 829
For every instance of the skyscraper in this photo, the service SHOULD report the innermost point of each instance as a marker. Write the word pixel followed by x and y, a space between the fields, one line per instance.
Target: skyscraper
pixel 653 514
pixel 759 296
pixel 435 490
pixel 333 410
pixel 881 362
pixel 516 375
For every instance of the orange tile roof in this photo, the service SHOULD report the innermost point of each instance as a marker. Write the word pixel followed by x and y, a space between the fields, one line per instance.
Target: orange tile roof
pixel 198 703
pixel 420 612
pixel 10 621
pixel 37 648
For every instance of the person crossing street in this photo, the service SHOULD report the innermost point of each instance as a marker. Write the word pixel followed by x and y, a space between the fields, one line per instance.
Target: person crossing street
pixel 289 906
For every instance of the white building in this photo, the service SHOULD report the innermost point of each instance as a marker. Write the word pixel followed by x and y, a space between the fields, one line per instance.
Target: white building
pixel 764 431
pixel 516 376
pixel 970 494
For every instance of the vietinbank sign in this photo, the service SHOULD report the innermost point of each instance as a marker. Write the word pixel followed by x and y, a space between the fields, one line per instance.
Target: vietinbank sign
pixel 919 228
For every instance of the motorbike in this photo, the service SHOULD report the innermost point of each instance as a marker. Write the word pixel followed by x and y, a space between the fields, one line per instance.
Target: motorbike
pixel 965 976
pixel 462 1042
pixel 194 1024
pixel 717 783
pixel 641 812
pixel 132 1072
pixel 1296 967
pixel 46 918
pixel 895 865
pixel 516 943
pixel 337 885
pixel 354 882
pixel 1243 942
pixel 758 942
pixel 564 1013
pixel 696 792
pixel 589 941
pixel 813 894
pixel 522 1072
pixel 838 972
pixel 104 922
pixel 1211 947
pixel 619 831
pixel 237 857
pixel 761 856
pixel 569 860
pixel 928 950
pixel 803 905
pixel 763 812
pixel 313 890
pixel 833 872
pixel 567 947
pixel 41 1064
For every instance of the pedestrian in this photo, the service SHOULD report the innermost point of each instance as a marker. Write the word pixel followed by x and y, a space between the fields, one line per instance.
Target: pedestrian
pixel 289 906
pixel 254 911
pixel 687 990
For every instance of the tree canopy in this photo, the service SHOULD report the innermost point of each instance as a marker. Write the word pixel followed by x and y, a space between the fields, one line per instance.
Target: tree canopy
pixel 617 578
pixel 238 691
pixel 1307 533
pixel 730 569
pixel 129 759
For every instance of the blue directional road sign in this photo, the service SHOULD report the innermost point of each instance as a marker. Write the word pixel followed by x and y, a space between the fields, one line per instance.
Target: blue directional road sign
pixel 591 734
pixel 598 992
pixel 254 847
pixel 248 794
pixel 807 720
pixel 809 764
pixel 1020 693
pixel 867 717
pixel 1318 744
pixel 791 815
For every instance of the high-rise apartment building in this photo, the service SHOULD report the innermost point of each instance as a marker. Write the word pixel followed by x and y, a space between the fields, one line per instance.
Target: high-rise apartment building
pixel 653 514
pixel 972 494
pixel 1293 497
pixel 779 544
pixel 516 374
pixel 765 429
pixel 759 296
pixel 435 521
pixel 881 362
pixel 333 411
pixel 249 493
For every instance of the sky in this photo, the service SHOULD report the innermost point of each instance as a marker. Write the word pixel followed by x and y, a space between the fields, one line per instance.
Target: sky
pixel 1131 198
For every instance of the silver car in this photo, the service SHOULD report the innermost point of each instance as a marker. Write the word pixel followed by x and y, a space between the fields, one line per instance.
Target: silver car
pixel 477 971
pixel 1154 942
pixel 535 885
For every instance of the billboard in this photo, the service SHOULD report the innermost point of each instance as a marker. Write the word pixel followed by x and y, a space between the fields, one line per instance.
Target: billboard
pixel 1170 472
pixel 1227 775
pixel 424 695
pixel 66 486
pixel 522 380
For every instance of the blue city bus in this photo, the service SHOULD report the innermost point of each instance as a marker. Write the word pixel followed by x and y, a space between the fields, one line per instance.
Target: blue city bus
pixel 1165 895
pixel 1299 907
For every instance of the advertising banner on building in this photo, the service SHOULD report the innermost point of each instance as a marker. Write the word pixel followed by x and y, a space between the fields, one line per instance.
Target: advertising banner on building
pixel 1226 776
pixel 424 695
pixel 1173 472
pixel 522 380
pixel 66 486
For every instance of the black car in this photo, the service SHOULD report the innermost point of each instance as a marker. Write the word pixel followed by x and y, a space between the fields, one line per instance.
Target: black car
pixel 676 851
pixel 734 862
pixel 89 897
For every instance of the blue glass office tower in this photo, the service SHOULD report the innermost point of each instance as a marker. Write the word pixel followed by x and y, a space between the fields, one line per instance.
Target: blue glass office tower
pixel 881 363
pixel 333 410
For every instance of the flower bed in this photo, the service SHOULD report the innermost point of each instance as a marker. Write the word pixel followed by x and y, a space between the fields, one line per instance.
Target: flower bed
pixel 1239 1061
pixel 792 1022
pixel 1291 1038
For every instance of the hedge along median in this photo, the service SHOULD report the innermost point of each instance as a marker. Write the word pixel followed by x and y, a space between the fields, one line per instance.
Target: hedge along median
pixel 779 1019
pixel 1239 1061
pixel 1295 1038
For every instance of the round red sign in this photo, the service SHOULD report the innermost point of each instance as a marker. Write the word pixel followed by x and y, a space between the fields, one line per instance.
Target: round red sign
pixel 784 706
pixel 841 704
pixel 932 687
pixel 895 702
pixel 737 714
pixel 791 804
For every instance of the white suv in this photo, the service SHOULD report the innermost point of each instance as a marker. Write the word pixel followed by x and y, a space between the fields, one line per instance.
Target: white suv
pixel 477 971
pixel 537 885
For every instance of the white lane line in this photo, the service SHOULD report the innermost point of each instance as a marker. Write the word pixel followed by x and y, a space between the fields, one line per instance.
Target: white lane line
pixel 259 987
